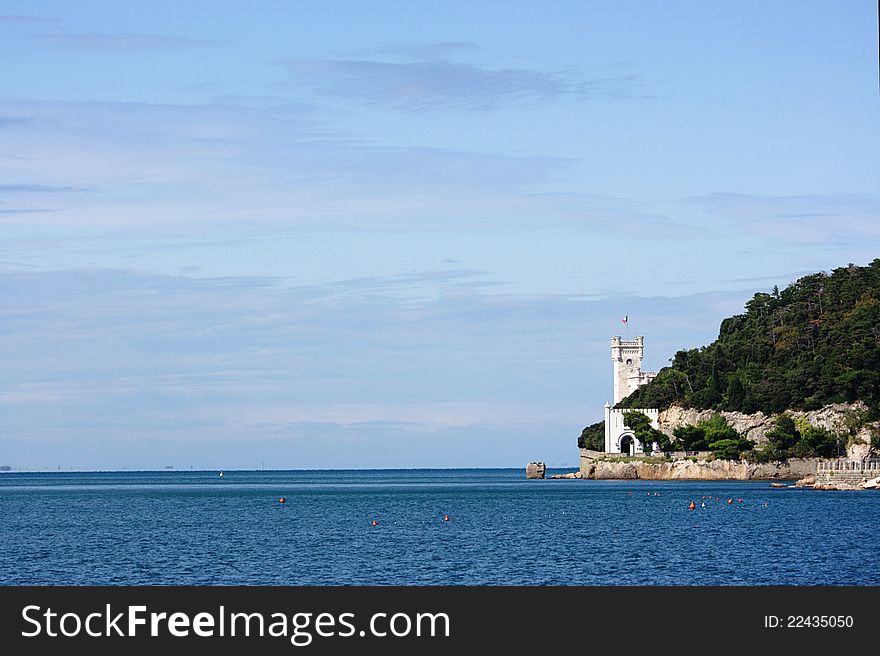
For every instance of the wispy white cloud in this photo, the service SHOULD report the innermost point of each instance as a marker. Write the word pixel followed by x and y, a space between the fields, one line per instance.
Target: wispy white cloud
pixel 425 85
pixel 123 42
pixel 427 51
pixel 10 121
pixel 428 80
pixel 20 193
pixel 126 330
pixel 36 189
pixel 16 211
pixel 820 219
pixel 26 19
pixel 225 164
pixel 773 278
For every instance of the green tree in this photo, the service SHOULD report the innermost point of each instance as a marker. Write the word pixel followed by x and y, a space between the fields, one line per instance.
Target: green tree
pixel 816 442
pixel 784 435
pixel 713 434
pixel 690 438
pixel 717 428
pixel 593 437
pixel 640 424
pixel 730 448
pixel 787 439
pixel 700 437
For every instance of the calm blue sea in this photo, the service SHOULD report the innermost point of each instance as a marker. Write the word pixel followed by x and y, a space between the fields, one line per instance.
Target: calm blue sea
pixel 198 528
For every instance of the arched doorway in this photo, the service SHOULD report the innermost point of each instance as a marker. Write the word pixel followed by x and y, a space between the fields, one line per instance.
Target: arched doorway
pixel 626 445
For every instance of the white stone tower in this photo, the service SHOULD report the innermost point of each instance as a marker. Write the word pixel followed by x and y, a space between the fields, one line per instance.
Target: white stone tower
pixel 627 357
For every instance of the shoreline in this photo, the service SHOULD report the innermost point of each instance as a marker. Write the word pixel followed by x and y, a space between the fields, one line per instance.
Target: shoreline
pixel 685 469
pixel 811 473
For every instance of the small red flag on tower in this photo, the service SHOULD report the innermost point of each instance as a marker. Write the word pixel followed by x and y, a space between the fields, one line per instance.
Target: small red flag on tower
pixel 625 319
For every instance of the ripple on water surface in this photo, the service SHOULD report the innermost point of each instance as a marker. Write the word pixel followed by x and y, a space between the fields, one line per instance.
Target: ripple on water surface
pixel 198 528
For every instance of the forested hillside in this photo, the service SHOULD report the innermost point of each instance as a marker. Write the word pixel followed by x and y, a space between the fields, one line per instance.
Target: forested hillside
pixel 814 343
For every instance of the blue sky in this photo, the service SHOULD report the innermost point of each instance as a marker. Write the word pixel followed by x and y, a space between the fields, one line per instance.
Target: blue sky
pixel 400 234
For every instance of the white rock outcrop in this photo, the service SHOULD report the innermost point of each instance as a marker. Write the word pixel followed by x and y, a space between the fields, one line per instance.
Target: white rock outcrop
pixel 755 426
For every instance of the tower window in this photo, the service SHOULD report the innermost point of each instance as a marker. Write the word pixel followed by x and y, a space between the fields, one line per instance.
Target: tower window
pixel 629 361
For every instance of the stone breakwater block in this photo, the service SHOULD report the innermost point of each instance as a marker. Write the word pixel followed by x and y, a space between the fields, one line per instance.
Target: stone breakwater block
pixel 873 484
pixel 535 470
pixel 837 487
pixel 576 474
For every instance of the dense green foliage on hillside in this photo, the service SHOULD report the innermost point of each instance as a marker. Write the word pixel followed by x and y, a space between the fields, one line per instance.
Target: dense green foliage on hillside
pixel 814 343
pixel 790 438
pixel 714 434
pixel 593 437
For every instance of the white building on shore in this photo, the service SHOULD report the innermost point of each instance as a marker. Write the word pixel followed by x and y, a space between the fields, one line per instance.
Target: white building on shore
pixel 626 357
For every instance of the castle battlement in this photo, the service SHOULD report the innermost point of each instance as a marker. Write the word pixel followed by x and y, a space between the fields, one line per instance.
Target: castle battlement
pixel 627 356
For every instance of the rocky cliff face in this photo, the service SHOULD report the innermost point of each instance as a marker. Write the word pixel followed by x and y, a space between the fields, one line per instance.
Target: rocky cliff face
pixel 715 470
pixel 755 427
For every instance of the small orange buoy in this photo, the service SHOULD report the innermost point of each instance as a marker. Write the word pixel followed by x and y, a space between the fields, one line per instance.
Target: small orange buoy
pixel 692 506
pixel 730 501
pixel 445 518
pixel 373 523
pixel 739 500
pixel 281 500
